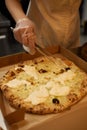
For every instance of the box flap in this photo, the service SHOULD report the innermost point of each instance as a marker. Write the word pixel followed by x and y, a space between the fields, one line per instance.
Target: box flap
pixel 15 116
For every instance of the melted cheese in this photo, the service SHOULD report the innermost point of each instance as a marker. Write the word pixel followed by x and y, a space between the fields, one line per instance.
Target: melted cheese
pixel 38 96
pixel 51 88
pixel 15 83
pixel 44 91
pixel 66 76
pixel 60 91
pixel 31 71
pixel 57 89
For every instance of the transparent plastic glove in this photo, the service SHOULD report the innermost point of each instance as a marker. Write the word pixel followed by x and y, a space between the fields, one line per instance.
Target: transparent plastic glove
pixel 24 32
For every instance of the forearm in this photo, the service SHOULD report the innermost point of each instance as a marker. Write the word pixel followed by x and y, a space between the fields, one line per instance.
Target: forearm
pixel 15 9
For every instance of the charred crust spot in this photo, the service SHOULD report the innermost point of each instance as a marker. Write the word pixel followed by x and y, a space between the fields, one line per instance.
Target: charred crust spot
pixel 72 97
pixel 42 71
pixel 42 61
pixel 5 89
pixel 56 73
pixel 30 109
pixel 35 62
pixel 84 83
pixel 9 73
pixel 55 101
pixel 12 73
pixel 62 71
pixel 11 99
pixel 41 112
pixel 83 91
pixel 19 105
pixel 19 70
pixel 32 83
pixel 55 110
pixel 21 65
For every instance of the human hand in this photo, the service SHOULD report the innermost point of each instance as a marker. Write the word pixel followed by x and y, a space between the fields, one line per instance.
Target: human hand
pixel 24 32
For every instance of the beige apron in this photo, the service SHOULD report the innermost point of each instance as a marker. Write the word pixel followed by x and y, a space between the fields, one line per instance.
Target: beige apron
pixel 57 21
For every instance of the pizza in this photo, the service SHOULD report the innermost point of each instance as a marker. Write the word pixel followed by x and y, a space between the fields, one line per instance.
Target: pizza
pixel 40 86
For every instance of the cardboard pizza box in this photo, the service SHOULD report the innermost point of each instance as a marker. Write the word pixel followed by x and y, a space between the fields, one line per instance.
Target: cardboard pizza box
pixel 73 118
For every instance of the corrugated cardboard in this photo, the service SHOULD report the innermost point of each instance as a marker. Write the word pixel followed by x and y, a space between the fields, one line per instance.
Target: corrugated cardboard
pixel 71 119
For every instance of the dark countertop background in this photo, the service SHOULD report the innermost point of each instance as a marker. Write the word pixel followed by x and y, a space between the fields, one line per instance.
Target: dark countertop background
pixel 9 46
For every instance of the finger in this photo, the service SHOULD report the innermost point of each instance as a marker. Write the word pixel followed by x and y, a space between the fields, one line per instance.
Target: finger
pixel 29 47
pixel 31 43
pixel 29 29
pixel 25 40
pixel 30 37
pixel 17 35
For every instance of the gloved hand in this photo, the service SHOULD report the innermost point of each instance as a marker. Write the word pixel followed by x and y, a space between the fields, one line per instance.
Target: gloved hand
pixel 24 32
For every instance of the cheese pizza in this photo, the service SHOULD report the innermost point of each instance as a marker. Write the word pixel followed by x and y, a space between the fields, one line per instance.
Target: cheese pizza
pixel 41 87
